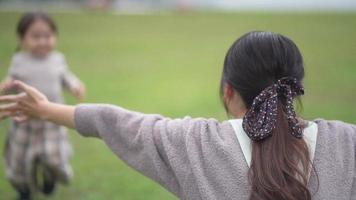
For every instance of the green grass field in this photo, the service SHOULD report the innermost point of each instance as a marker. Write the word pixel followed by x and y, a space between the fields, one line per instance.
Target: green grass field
pixel 171 64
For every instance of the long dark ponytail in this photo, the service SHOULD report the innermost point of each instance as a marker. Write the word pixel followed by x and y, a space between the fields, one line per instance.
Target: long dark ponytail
pixel 280 164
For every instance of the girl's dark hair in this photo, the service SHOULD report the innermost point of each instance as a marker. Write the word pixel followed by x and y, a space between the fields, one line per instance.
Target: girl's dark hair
pixel 280 164
pixel 29 18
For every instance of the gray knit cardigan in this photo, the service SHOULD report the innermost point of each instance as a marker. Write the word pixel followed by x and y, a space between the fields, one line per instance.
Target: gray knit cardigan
pixel 202 159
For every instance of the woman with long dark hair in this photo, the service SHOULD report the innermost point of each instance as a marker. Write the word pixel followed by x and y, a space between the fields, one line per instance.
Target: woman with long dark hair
pixel 266 152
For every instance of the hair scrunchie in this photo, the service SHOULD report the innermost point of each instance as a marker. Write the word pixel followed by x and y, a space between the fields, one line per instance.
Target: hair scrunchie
pixel 261 118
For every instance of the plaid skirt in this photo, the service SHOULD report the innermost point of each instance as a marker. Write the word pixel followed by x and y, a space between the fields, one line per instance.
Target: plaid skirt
pixel 36 143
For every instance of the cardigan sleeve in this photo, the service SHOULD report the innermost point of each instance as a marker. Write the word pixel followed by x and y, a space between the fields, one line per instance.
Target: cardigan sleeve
pixel 353 191
pixel 146 142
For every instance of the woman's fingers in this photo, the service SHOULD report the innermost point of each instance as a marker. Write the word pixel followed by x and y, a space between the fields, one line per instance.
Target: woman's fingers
pixel 7 114
pixel 7 86
pixel 8 98
pixel 10 107
pixel 31 91
pixel 20 118
pixel 19 85
pixel 12 110
pixel 16 116
pixel 12 98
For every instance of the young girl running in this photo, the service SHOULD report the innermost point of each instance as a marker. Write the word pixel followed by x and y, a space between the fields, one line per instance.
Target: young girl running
pixel 38 148
pixel 265 153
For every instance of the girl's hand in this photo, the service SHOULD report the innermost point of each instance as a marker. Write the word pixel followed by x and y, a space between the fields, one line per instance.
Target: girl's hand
pixel 4 83
pixel 79 92
pixel 30 103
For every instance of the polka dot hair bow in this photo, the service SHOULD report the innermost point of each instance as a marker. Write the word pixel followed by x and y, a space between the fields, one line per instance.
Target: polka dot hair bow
pixel 260 120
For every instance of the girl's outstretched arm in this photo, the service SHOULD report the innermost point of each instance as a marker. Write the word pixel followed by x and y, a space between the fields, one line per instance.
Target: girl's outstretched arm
pixel 71 81
pixel 73 84
pixel 31 103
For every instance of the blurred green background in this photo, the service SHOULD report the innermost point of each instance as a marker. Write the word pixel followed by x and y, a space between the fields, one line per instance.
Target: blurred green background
pixel 171 64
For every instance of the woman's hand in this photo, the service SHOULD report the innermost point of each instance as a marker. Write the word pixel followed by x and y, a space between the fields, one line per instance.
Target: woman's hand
pixel 27 104
pixel 31 103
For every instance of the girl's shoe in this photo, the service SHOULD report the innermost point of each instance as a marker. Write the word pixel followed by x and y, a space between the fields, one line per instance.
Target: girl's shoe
pixel 24 194
pixel 45 179
pixel 49 185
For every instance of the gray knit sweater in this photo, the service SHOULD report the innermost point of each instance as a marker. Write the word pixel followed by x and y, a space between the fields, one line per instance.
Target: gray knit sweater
pixel 50 74
pixel 202 159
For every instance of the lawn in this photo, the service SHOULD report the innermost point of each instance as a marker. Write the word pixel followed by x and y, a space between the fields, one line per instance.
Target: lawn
pixel 171 64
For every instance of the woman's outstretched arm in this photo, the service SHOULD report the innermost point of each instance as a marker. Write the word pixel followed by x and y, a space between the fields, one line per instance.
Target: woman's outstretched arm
pixel 151 144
